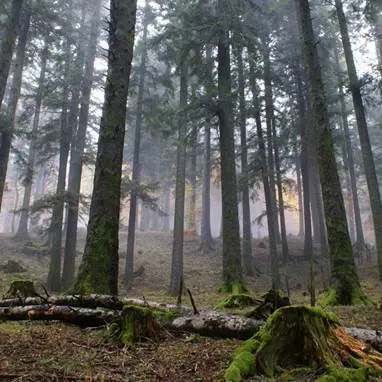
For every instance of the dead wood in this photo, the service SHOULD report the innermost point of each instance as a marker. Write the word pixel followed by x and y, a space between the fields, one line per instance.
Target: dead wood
pixel 97 310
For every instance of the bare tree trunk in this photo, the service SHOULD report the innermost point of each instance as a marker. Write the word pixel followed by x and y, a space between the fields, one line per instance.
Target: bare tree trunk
pixel 244 186
pixel 54 274
pixel 351 167
pixel 207 243
pixel 176 283
pixel 7 47
pixel 269 112
pixel 344 277
pixel 6 136
pixel 22 231
pixel 193 164
pixel 366 150
pixel 264 173
pixel 77 151
pixel 129 264
pixel 99 269
pixel 299 193
pixel 284 238
pixel 232 270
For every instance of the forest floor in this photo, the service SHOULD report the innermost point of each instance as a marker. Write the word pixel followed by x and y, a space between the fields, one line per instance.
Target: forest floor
pixel 33 351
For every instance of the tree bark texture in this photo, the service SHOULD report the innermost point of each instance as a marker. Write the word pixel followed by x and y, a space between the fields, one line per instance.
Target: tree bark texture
pixel 344 277
pixel 8 44
pixel 366 150
pixel 76 154
pixel 6 136
pixel 129 264
pixel 99 269
pixel 232 271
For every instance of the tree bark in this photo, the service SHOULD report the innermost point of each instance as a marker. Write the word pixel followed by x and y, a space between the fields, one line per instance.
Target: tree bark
pixel 54 274
pixel 264 174
pixel 77 151
pixel 176 283
pixel 366 150
pixel 6 136
pixel 7 46
pixel 269 117
pixel 99 269
pixel 244 182
pixel 129 264
pixel 22 231
pixel 344 277
pixel 207 243
pixel 232 271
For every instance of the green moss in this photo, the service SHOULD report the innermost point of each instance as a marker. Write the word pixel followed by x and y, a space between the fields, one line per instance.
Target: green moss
pixel 98 272
pixel 345 375
pixel 331 297
pixel 136 324
pixel 161 315
pixel 234 288
pixel 240 301
pixel 241 366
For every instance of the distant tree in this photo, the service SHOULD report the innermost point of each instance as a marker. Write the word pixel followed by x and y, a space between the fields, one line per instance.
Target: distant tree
pixel 77 151
pixel 129 265
pixel 22 232
pixel 99 269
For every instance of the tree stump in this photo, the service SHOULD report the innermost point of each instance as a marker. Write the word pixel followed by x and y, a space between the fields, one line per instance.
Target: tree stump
pixel 309 340
pixel 21 289
pixel 138 324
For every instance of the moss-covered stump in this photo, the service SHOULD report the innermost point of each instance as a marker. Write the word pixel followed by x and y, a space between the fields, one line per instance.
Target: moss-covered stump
pixel 272 301
pixel 138 324
pixel 21 289
pixel 308 339
pixel 239 301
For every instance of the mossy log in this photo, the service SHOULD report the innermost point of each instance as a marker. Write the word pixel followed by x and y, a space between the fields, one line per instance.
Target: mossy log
pixel 96 301
pixel 300 337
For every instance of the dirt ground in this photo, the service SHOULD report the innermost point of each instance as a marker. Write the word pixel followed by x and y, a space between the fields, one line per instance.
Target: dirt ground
pixel 32 351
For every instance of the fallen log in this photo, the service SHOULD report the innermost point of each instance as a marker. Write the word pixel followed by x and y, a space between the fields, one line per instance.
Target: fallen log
pixel 94 301
pixel 207 323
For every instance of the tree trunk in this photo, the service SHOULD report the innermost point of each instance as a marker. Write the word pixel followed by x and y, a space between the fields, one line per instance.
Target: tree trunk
pixel 308 240
pixel 129 264
pixel 193 164
pixel 344 277
pixel 367 154
pixel 6 136
pixel 269 116
pixel 299 192
pixel 350 161
pixel 76 154
pixel 244 186
pixel 232 271
pixel 99 269
pixel 284 238
pixel 22 231
pixel 176 284
pixel 54 274
pixel 207 243
pixel 8 44
pixel 264 174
